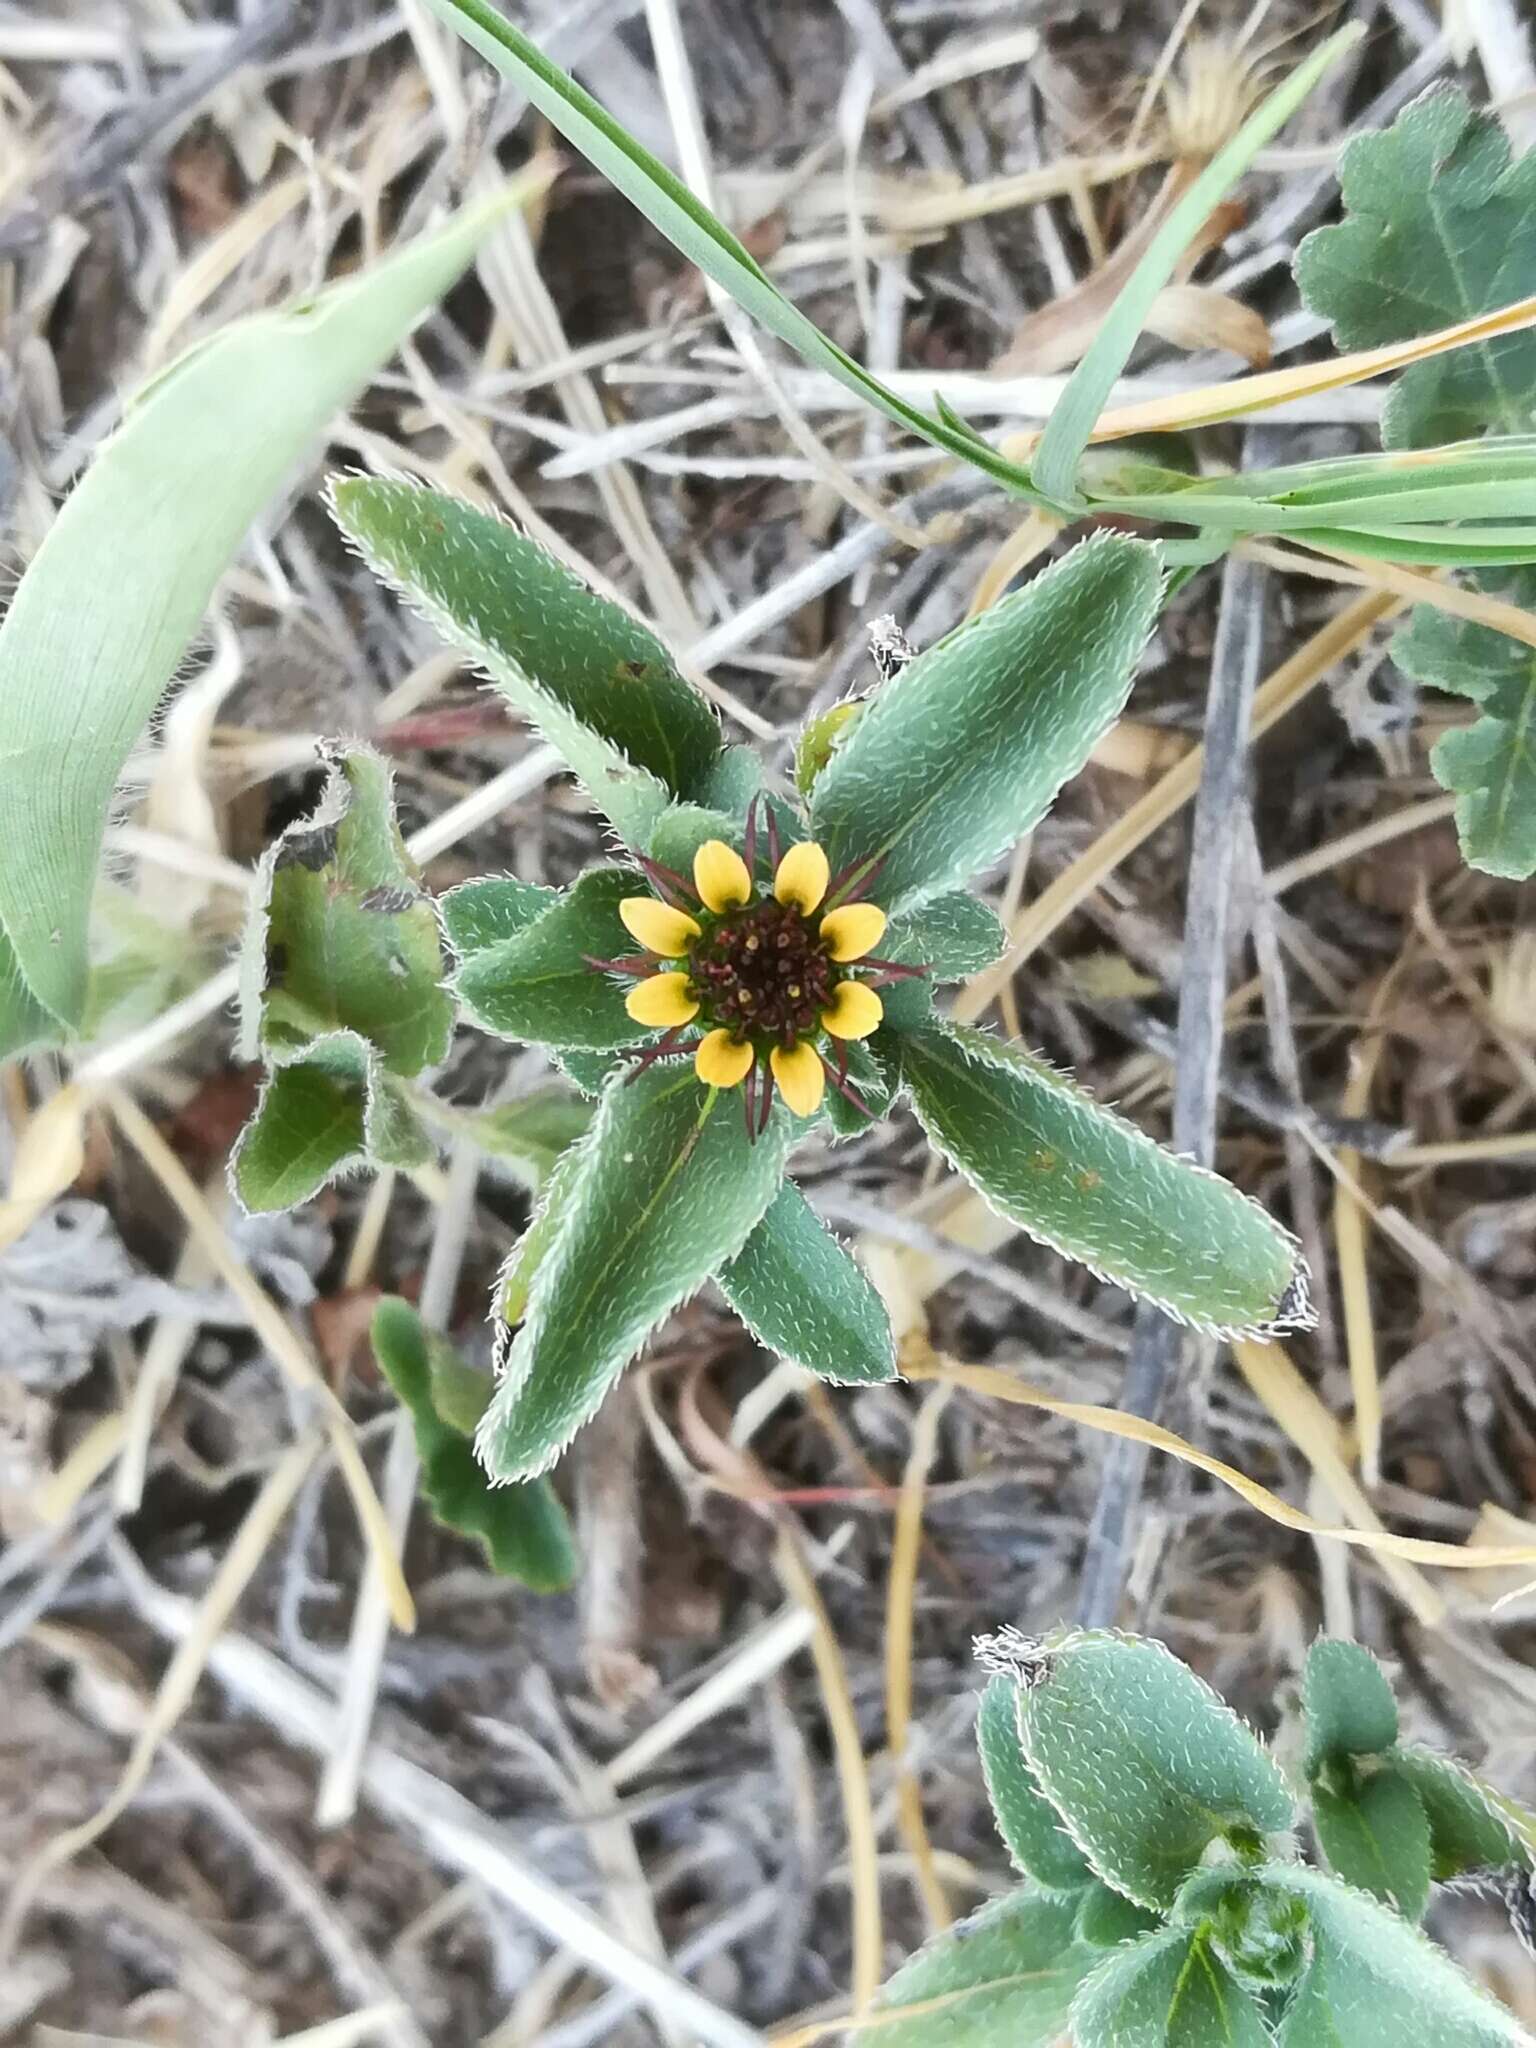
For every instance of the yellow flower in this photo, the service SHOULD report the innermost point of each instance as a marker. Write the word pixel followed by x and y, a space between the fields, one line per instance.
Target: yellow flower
pixel 722 1061
pixel 801 1075
pixel 801 877
pixel 854 1011
pixel 761 975
pixel 720 876
pixel 852 930
pixel 663 1001
pixel 658 927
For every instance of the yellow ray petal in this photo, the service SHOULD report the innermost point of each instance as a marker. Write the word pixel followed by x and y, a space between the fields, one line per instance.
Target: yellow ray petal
pixel 720 876
pixel 802 877
pixel 658 927
pixel 852 930
pixel 801 1077
pixel 721 1062
pixel 662 1001
pixel 854 1011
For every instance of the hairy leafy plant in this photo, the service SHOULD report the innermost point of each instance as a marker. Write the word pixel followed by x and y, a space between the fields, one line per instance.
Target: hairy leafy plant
pixel 750 969
pixel 1164 1904
pixel 341 994
pixel 1438 227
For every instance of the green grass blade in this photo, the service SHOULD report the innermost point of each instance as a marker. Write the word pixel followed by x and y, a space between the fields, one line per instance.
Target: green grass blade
pixel 1054 471
pixel 120 585
pixel 692 228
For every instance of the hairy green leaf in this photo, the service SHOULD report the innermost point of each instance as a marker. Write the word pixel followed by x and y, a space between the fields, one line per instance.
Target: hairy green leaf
pixel 598 684
pixel 663 1191
pixel 966 747
pixel 1437 230
pixel 1261 1932
pixel 327 1111
pixel 514 1283
pixel 1028 1823
pixel 1374 1832
pixel 1491 765
pixel 1143 1762
pixel 1168 1990
pixel 341 936
pixel 1004 1978
pixel 800 1293
pixel 1077 1177
pixel 522 1529
pixel 121 583
pixel 952 936
pixel 1375 1982
pixel 538 986
pixel 1349 1706
pixel 1470 1826
pixel 1106 1918
pixel 490 910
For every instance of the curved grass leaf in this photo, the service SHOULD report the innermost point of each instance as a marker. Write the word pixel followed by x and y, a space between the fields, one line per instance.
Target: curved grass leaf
pixel 522 1529
pixel 1491 765
pixel 690 226
pixel 1077 1177
pixel 1028 1823
pixel 537 985
pixel 1004 1978
pixel 599 685
pixel 663 1190
pixel 341 935
pixel 800 1293
pixel 1348 1704
pixel 1373 1979
pixel 966 748
pixel 1437 229
pixel 1054 469
pixel 120 585
pixel 1143 1762
pixel 1375 1834
pixel 1168 1990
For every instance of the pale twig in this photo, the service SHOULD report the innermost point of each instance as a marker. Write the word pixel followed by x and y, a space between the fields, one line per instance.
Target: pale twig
pixel 901 1593
pixel 1235 660
pixel 754 1659
pixel 680 97
pixel 175 1690
pixel 336 1799
pixel 357 1973
pixel 274 1330
pixel 445 1823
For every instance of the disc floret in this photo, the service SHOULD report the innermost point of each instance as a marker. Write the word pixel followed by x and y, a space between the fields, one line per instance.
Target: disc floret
pixel 764 989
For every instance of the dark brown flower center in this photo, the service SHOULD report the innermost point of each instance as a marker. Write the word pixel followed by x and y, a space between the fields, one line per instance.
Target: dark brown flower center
pixel 762 972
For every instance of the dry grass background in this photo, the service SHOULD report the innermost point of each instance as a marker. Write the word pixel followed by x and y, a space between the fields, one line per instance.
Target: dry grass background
pixel 732 1774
